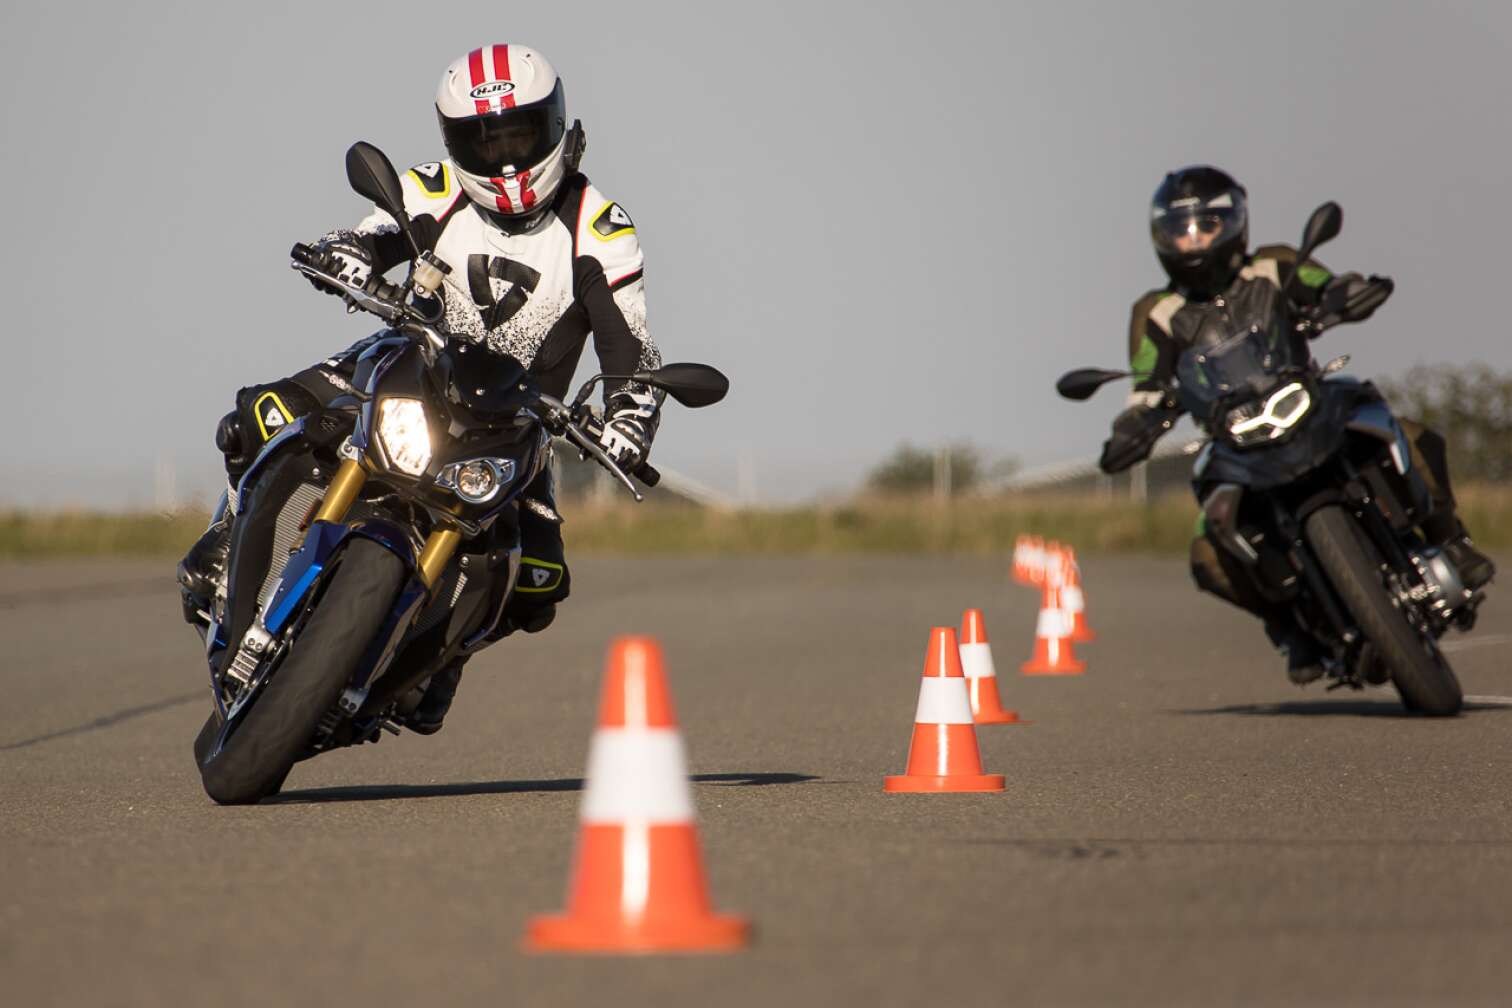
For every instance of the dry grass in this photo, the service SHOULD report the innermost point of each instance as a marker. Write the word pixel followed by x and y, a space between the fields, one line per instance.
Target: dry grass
pixel 973 526
pixel 883 526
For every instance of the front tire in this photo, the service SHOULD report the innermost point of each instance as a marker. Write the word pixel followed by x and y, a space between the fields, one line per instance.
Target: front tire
pixel 1422 676
pixel 280 723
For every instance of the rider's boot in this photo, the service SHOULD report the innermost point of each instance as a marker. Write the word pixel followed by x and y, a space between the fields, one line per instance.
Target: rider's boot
pixel 1304 662
pixel 1443 529
pixel 1475 568
pixel 531 619
pixel 427 717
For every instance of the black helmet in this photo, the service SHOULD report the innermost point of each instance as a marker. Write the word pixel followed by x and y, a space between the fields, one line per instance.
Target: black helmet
pixel 1200 228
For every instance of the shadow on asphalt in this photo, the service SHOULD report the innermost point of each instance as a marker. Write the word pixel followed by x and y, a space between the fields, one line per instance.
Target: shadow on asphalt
pixel 391 792
pixel 1335 708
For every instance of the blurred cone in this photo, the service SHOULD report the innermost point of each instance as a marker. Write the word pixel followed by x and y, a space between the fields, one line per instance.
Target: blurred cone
pixel 1035 571
pixel 1052 633
pixel 1074 600
pixel 637 880
pixel 981 673
pixel 1022 548
pixel 943 755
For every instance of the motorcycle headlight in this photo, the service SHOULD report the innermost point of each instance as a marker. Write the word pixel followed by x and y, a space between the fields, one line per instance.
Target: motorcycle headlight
pixel 405 434
pixel 477 481
pixel 1254 424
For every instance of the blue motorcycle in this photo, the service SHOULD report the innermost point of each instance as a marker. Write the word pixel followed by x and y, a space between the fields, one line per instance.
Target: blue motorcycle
pixel 382 531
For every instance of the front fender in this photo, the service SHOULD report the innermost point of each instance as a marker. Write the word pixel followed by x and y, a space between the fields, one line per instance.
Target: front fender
pixel 321 544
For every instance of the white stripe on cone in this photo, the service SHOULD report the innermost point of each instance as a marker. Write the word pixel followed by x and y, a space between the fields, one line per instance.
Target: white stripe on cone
pixel 637 774
pixel 1052 624
pixel 943 700
pixel 976 661
pixel 1072 600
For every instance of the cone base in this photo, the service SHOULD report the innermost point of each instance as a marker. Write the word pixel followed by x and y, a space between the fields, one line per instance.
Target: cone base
pixel 955 782
pixel 563 933
pixel 999 717
pixel 1073 668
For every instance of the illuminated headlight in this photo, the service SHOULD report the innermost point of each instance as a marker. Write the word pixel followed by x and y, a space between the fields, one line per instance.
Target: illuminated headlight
pixel 1248 425
pixel 405 434
pixel 478 480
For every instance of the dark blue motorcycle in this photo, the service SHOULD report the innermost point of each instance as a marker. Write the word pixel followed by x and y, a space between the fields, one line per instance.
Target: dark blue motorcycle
pixel 381 533
pixel 1306 480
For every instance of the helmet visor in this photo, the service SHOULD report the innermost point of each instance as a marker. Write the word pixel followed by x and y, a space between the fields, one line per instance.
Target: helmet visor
pixel 510 140
pixel 1194 228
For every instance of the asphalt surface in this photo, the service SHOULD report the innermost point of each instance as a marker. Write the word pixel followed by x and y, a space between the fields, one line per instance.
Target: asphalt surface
pixel 1181 826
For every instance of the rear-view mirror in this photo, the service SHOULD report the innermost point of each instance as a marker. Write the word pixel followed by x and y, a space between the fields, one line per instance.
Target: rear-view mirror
pixel 693 385
pixel 1081 383
pixel 1323 226
pixel 370 174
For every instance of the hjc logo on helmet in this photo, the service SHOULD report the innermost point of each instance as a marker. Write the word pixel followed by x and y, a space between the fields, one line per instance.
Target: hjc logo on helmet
pixel 493 89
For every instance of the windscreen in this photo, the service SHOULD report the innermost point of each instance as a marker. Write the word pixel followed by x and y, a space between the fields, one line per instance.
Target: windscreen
pixel 1240 366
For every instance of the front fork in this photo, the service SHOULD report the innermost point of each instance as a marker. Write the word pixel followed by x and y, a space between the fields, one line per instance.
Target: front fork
pixel 348 482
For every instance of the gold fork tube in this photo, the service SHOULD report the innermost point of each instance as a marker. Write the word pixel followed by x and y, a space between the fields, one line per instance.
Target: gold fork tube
pixel 343 490
pixel 437 552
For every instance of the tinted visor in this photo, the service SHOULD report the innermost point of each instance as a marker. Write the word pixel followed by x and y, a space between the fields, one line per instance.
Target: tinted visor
pixel 509 140
pixel 1194 229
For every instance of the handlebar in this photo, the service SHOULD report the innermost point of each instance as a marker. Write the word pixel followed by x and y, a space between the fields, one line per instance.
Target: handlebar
pixel 387 301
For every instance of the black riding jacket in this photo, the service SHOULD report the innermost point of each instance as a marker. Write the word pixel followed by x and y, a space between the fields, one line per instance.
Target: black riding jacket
pixel 1167 321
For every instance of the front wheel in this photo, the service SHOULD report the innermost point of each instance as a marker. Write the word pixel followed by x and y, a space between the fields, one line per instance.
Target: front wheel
pixel 278 727
pixel 1422 676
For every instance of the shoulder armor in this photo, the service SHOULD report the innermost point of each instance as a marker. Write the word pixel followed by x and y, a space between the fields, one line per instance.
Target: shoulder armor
pixel 610 221
pixel 433 179
pixel 606 232
pixel 1312 273
pixel 1280 252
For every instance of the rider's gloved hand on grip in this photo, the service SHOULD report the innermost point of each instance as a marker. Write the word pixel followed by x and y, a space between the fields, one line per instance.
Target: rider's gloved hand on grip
pixel 625 441
pixel 346 256
pixel 1135 432
pixel 1350 297
pixel 629 428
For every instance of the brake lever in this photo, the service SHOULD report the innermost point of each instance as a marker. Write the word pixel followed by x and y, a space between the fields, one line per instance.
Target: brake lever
pixel 354 297
pixel 575 434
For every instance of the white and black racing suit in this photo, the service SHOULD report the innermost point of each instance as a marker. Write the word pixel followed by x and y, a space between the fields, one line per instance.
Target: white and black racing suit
pixel 535 293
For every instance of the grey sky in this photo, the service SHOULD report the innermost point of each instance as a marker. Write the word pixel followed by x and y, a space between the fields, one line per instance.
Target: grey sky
pixel 884 221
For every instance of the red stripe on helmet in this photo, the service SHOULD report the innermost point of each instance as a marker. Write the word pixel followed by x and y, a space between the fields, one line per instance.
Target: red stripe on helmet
pixel 475 70
pixel 502 200
pixel 527 198
pixel 501 72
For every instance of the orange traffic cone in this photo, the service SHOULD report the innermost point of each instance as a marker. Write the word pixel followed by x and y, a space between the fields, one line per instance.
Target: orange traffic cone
pixel 1023 547
pixel 943 755
pixel 1074 600
pixel 1034 564
pixel 981 673
pixel 1052 633
pixel 637 880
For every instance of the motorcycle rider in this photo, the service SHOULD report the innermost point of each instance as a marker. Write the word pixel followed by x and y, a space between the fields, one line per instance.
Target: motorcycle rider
pixel 1200 228
pixel 538 259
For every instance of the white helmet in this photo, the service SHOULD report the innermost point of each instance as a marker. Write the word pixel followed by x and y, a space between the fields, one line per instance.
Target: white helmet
pixel 504 120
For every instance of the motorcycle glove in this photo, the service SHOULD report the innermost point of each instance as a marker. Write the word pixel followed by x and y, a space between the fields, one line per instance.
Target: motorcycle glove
pixel 629 428
pixel 1351 298
pixel 347 257
pixel 1135 432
